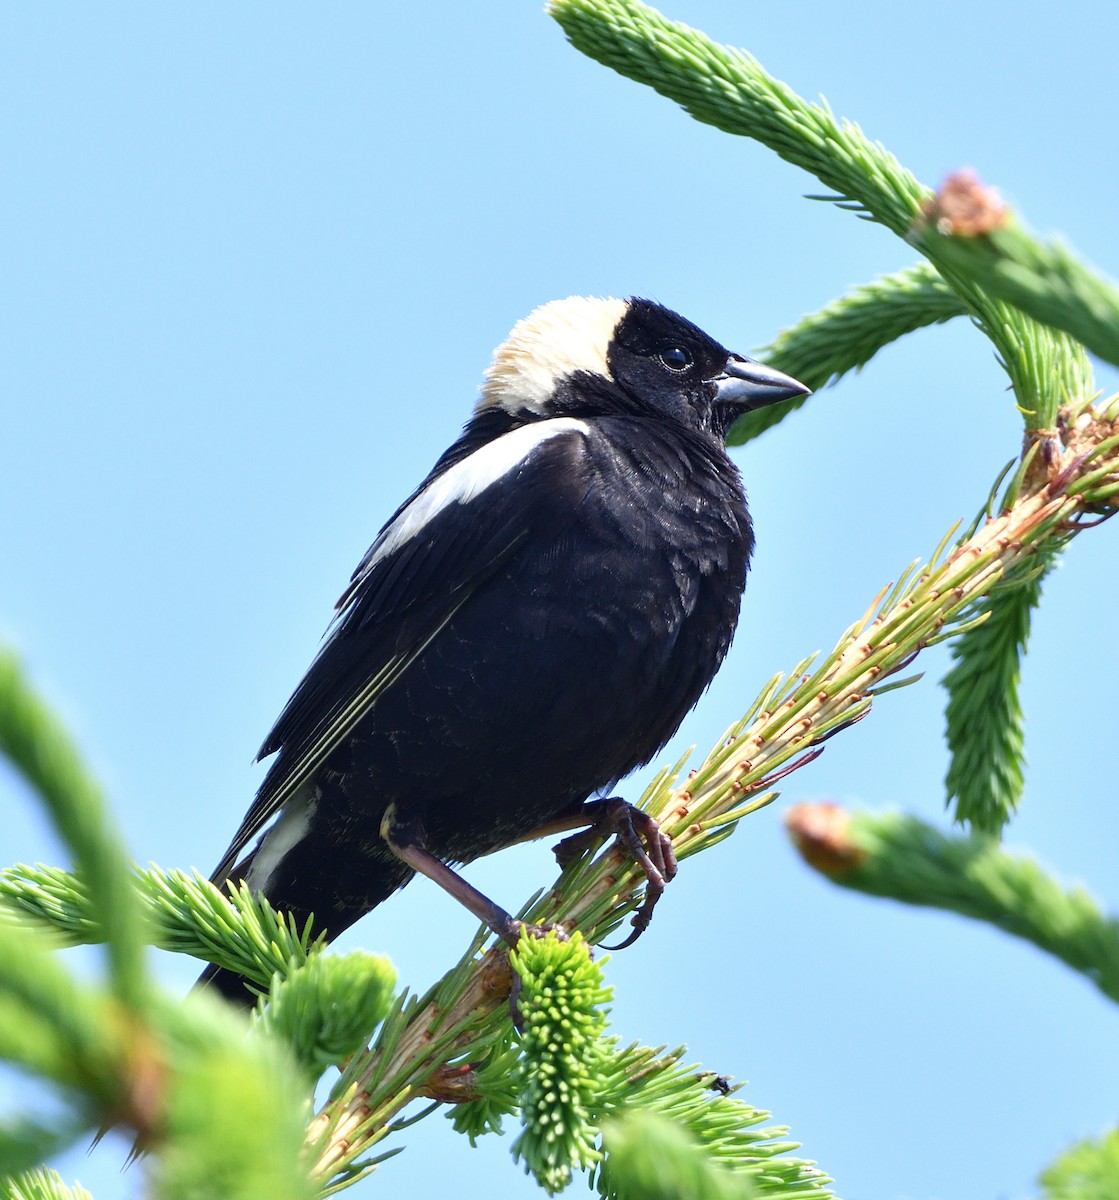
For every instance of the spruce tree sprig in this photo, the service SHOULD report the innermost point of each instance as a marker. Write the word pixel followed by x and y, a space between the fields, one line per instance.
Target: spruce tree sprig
pixel 1087 1171
pixel 728 88
pixel 1044 279
pixel 735 1137
pixel 782 728
pixel 181 1076
pixel 983 718
pixel 902 858
pixel 54 1027
pixel 39 747
pixel 846 334
pixel 40 1184
pixel 562 1010
pixel 654 1159
pixel 236 928
pixel 576 1082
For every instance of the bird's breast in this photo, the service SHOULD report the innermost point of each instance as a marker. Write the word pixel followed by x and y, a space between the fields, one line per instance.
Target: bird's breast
pixel 578 659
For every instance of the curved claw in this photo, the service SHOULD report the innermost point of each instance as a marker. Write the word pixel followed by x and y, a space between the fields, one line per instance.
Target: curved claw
pixel 642 918
pixel 650 847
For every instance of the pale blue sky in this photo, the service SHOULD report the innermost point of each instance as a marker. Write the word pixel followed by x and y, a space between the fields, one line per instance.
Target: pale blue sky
pixel 254 260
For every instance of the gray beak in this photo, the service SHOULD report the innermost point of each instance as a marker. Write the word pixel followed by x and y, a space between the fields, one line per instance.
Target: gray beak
pixel 746 385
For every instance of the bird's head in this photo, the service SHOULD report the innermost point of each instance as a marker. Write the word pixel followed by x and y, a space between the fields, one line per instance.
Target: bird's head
pixel 587 357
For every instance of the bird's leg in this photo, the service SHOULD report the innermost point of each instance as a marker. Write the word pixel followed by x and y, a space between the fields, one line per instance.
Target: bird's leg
pixel 406 839
pixel 642 837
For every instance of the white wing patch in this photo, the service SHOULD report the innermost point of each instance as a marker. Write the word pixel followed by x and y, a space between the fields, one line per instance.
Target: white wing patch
pixel 468 479
pixel 552 342
pixel 284 834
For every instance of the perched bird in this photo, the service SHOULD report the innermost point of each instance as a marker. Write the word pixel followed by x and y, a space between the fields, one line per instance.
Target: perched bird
pixel 529 626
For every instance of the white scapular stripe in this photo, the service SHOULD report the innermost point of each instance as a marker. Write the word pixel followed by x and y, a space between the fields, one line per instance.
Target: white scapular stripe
pixel 287 831
pixel 469 478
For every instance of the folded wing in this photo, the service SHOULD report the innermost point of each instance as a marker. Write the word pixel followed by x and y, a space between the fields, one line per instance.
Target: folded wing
pixel 459 529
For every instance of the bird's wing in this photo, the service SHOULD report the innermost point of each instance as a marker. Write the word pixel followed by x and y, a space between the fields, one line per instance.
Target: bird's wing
pixel 448 539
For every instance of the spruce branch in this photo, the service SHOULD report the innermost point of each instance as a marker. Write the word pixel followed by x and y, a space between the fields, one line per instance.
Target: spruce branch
pixel 428 1045
pixel 424 1041
pixel 493 1090
pixel 53 1026
pixel 325 1010
pixel 654 1159
pixel 846 334
pixel 236 928
pixel 902 858
pixel 38 746
pixel 1087 1171
pixel 40 1184
pixel 25 1143
pixel 575 1081
pixel 233 1113
pixel 728 88
pixel 184 1078
pixel 705 1108
pixel 984 717
pixel 1044 279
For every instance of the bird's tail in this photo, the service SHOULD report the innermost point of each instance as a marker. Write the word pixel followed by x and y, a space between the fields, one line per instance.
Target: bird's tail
pixel 308 884
pixel 235 988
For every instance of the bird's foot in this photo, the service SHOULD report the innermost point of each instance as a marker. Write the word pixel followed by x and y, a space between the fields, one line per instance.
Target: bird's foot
pixel 650 847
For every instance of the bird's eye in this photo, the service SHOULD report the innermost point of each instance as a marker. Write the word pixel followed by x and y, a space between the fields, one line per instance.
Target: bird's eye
pixel 676 358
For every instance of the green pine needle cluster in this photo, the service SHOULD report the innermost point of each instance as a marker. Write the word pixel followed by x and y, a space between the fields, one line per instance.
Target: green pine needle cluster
pixel 574 1082
pixel 187 914
pixel 180 1074
pixel 497 1082
pixel 561 1001
pixel 906 859
pixel 846 334
pixel 233 1121
pixel 1044 279
pixel 328 1008
pixel 40 1184
pixel 35 742
pixel 983 716
pixel 733 1136
pixel 653 1159
pixel 1087 1171
pixel 727 88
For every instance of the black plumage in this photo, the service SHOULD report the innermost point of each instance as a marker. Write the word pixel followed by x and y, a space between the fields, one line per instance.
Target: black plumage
pixel 530 625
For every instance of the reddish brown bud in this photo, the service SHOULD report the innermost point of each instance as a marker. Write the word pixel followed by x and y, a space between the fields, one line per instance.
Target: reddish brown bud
pixel 821 834
pixel 451 1084
pixel 965 207
pixel 497 974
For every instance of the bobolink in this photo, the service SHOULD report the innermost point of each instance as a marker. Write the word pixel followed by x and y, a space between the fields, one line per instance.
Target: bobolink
pixel 529 626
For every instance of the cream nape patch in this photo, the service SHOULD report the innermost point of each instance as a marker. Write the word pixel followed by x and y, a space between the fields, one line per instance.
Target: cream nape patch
pixel 555 340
